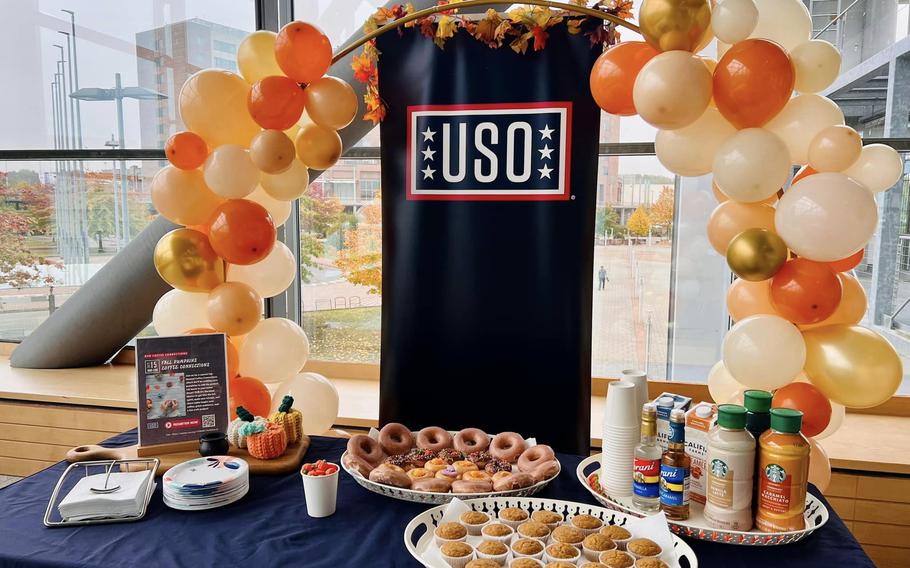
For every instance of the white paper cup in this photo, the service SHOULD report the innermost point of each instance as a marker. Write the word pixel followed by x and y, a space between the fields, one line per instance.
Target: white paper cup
pixel 640 379
pixel 320 493
pixel 620 409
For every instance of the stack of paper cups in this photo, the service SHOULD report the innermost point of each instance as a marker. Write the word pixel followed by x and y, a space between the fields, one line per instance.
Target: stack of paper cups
pixel 640 380
pixel 620 436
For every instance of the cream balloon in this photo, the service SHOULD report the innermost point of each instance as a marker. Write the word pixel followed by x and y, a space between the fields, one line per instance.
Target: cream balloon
pixel 835 149
pixel 182 197
pixel 213 105
pixel 801 120
pixel 785 22
pixel 733 20
pixel 819 465
pixel 289 184
pixel 276 349
pixel 745 299
pixel 315 397
pixel 878 167
pixel 826 217
pixel 756 340
pixel 177 311
pixel 270 276
pixel 672 90
pixel 724 389
pixel 838 413
pixel 751 165
pixel 230 172
pixel 817 64
pixel 688 151
pixel 256 56
pixel 279 210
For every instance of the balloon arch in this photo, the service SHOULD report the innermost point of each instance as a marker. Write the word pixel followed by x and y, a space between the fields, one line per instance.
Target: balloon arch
pixel 252 137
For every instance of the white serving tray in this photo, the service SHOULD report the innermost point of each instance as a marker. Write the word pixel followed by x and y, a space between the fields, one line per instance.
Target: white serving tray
pixel 816 515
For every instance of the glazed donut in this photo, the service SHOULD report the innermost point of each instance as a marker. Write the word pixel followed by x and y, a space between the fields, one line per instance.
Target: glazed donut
pixel 513 481
pixel 534 456
pixel 471 486
pixel 450 455
pixel 449 473
pixel 434 438
pixel 420 473
pixel 462 466
pixel 476 475
pixel 545 470
pixel 358 464
pixel 367 448
pixel 497 465
pixel 395 439
pixel 507 446
pixel 471 440
pixel 431 485
pixel 390 475
pixel 436 464
pixel 501 475
pixel 420 457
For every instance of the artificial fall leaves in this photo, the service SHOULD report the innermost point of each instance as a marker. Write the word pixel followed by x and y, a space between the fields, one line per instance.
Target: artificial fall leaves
pixel 522 27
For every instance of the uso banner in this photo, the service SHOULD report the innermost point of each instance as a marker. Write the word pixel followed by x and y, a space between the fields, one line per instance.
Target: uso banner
pixel 489 165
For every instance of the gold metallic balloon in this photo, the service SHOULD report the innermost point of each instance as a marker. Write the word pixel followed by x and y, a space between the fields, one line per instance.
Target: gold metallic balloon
pixel 185 260
pixel 756 254
pixel 852 365
pixel 675 24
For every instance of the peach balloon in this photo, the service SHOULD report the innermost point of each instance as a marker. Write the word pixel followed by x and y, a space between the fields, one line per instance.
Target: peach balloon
pixel 270 276
pixel 801 120
pixel 182 197
pixel 731 218
pixel 318 147
pixel 331 102
pixel 213 105
pixel 234 308
pixel 176 311
pixel 878 168
pixel 289 184
pixel 256 56
pixel 278 210
pixel 838 413
pixel 852 306
pixel 751 165
pixel 835 149
pixel 746 299
pixel 672 90
pixel 723 388
pixel 720 196
pixel 272 151
pixel 277 349
pixel 819 466
pixel 757 340
pixel 817 64
pixel 689 151
pixel 230 171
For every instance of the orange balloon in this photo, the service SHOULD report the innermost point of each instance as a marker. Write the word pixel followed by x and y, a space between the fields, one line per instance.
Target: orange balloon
pixel 731 218
pixel 303 52
pixel 804 291
pixel 852 306
pixel 614 75
pixel 720 196
pixel 234 308
pixel 233 356
pixel 251 394
pixel 745 298
pixel 803 172
pixel 815 406
pixel 849 263
pixel 752 83
pixel 276 102
pixel 241 231
pixel 186 150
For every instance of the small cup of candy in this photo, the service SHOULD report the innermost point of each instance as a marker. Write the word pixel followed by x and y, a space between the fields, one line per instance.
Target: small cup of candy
pixel 320 487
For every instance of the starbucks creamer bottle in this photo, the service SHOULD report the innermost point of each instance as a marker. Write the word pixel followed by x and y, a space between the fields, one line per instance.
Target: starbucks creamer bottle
pixel 730 466
pixel 783 469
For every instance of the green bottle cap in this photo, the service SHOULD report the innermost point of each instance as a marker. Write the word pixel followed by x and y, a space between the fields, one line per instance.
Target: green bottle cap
pixel 732 416
pixel 786 420
pixel 757 400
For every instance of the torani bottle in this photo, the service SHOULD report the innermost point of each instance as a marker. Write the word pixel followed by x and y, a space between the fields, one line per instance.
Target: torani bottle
pixel 784 468
pixel 731 465
pixel 646 468
pixel 674 470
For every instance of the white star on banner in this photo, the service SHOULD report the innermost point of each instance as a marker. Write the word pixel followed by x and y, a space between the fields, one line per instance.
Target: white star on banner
pixel 545 132
pixel 428 134
pixel 428 154
pixel 545 172
pixel 545 152
pixel 428 172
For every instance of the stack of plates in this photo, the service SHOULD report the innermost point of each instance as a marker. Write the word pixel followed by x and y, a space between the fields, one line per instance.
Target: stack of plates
pixel 621 433
pixel 206 483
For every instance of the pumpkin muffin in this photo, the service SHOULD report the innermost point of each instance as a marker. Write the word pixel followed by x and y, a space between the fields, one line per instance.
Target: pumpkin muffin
pixel 527 547
pixel 482 563
pixel 560 551
pixel 497 531
pixel 559 564
pixel 547 517
pixel 594 544
pixel 533 529
pixel 449 532
pixel 492 547
pixel 525 563
pixel 617 534
pixel 474 521
pixel 650 563
pixel 456 554
pixel 568 535
pixel 592 565
pixel 643 547
pixel 588 524
pixel 616 559
pixel 513 516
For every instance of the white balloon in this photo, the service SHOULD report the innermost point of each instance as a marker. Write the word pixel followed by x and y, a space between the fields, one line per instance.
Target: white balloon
pixel 230 172
pixel 751 165
pixel 764 352
pixel 834 149
pixel 276 349
pixel 270 276
pixel 838 412
pixel 315 397
pixel 733 20
pixel 178 311
pixel 801 120
pixel 817 64
pixel 279 210
pixel 689 151
pixel 826 217
pixel 724 389
pixel 786 22
pixel 878 167
pixel 672 90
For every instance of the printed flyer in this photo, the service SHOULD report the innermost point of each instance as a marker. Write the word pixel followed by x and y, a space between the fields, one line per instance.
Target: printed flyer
pixel 184 380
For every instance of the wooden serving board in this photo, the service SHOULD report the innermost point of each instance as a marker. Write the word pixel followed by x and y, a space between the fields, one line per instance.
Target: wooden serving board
pixel 287 463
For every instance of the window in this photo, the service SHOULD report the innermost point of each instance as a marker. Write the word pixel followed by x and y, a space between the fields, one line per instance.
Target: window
pixel 368 189
pixel 224 47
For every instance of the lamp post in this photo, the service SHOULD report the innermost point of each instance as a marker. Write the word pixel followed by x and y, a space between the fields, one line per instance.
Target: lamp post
pixel 75 75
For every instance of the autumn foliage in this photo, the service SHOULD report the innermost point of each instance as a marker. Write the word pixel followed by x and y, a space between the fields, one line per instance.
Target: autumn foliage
pixel 361 258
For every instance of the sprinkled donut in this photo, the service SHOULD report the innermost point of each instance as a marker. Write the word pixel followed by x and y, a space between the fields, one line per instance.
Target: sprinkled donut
pixel 366 448
pixel 513 481
pixel 507 446
pixel 434 438
pixel 471 440
pixel 534 456
pixel 431 485
pixel 395 438
pixel 472 486
pixel 420 457
pixel 450 455
pixel 387 474
pixel 497 465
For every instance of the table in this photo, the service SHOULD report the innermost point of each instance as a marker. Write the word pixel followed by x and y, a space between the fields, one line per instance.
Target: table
pixel 270 527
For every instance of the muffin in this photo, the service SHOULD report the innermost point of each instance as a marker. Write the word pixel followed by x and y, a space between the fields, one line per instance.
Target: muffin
pixel 533 529
pixel 497 531
pixel 616 559
pixel 594 544
pixel 592 565
pixel 474 521
pixel 548 518
pixel 588 524
pixel 527 547
pixel 525 563
pixel 617 534
pixel 483 563
pixel 457 554
pixel 567 534
pixel 559 564
pixel 513 516
pixel 650 563
pixel 450 532
pixel 643 548
pixel 561 552
pixel 493 550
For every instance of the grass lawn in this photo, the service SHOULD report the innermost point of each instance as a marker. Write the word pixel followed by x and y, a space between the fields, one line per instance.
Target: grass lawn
pixel 344 335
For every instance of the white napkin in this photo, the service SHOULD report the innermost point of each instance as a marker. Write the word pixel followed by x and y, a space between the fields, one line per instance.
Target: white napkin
pixel 81 503
pixel 655 527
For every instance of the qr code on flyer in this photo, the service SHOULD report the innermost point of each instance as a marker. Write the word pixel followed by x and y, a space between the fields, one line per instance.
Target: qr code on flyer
pixel 208 420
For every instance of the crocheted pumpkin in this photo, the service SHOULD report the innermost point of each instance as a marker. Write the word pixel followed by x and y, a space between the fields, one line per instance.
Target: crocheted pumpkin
pixel 268 444
pixel 289 418
pixel 235 428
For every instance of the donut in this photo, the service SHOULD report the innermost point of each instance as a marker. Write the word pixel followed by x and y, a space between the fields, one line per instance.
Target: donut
pixel 449 473
pixel 367 448
pixel 534 456
pixel 517 480
pixel 471 440
pixel 476 475
pixel 420 473
pixel 436 464
pixel 480 458
pixel 545 470
pixel 450 455
pixel 434 438
pixel 395 438
pixel 501 475
pixel 390 475
pixel 431 485
pixel 400 460
pixel 462 466
pixel 507 446
pixel 472 486
pixel 497 465
pixel 358 464
pixel 420 457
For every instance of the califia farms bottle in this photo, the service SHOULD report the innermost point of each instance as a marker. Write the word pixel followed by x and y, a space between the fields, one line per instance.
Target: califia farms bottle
pixel 731 464
pixel 674 470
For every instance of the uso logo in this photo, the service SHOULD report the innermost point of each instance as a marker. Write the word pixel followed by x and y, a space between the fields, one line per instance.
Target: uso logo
pixel 489 152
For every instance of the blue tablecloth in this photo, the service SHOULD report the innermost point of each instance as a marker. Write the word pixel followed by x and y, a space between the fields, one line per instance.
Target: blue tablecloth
pixel 270 527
